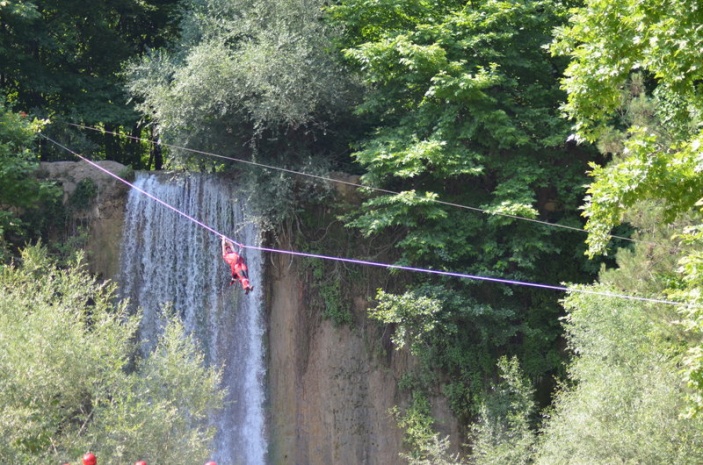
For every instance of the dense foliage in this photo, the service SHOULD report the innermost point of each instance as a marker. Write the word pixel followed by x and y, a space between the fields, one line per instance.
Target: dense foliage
pixel 72 382
pixel 62 61
pixel 463 100
pixel 625 386
pixel 628 397
pixel 634 83
pixel 608 43
pixel 247 78
pixel 24 201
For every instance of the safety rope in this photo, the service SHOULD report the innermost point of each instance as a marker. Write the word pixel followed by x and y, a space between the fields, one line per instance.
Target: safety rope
pixel 347 183
pixel 367 262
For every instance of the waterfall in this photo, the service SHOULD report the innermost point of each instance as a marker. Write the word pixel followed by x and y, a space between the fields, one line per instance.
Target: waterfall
pixel 168 259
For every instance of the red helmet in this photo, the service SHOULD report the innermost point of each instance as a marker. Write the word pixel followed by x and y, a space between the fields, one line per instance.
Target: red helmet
pixel 89 459
pixel 211 463
pixel 141 462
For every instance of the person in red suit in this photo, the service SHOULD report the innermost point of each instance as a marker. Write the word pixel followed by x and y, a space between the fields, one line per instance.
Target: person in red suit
pixel 236 264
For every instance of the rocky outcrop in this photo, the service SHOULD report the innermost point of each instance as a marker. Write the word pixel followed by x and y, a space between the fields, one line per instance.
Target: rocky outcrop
pixel 332 386
pixel 103 215
pixel 329 397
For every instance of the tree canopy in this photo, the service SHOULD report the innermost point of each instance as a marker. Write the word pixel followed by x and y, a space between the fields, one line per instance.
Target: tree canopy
pixel 24 200
pixel 63 61
pixel 246 76
pixel 607 43
pixel 462 100
pixel 63 58
pixel 634 86
pixel 625 398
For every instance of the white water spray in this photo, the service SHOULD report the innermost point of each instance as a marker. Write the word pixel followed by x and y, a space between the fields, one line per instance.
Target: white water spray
pixel 168 259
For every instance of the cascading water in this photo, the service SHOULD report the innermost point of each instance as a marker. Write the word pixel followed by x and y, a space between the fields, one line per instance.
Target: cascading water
pixel 167 259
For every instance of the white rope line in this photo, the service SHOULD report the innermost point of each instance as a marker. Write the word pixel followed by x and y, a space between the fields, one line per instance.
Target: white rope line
pixel 348 183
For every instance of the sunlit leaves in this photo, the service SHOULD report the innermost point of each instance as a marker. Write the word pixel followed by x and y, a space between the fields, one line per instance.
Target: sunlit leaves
pixel 647 171
pixel 412 314
pixel 609 40
pixel 69 381
pixel 626 400
pixel 407 209
pixel 502 435
pixel 241 69
pixel 661 157
pixel 691 269
pixel 451 90
pixel 21 194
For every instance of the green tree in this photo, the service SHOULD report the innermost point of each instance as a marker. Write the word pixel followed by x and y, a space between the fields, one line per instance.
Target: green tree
pixel 434 451
pixel 612 44
pixel 71 382
pixel 503 435
pixel 462 97
pixel 624 397
pixel 462 101
pixel 245 78
pixel 23 199
pixel 607 43
pixel 414 314
pixel 62 60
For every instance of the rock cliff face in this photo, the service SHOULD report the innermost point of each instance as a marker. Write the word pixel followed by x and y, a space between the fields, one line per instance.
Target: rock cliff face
pixel 331 387
pixel 104 216
pixel 329 393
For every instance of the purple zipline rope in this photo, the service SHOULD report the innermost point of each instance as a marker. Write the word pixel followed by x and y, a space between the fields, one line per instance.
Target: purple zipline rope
pixel 365 262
